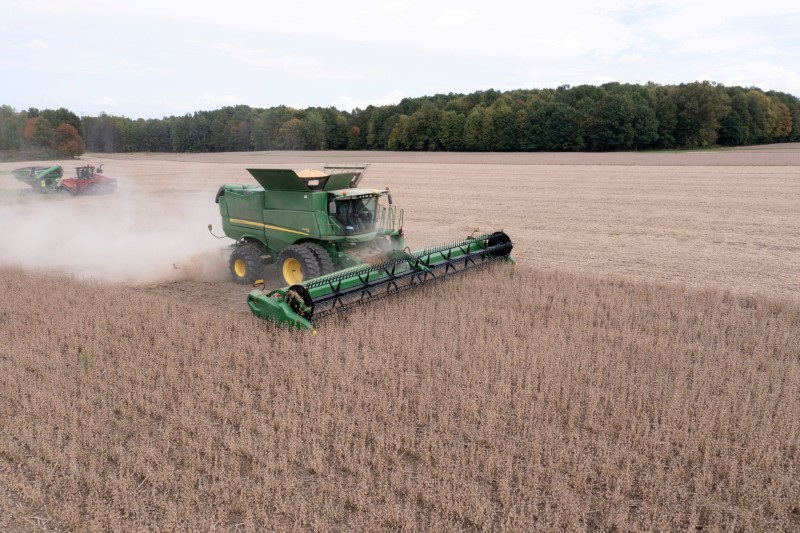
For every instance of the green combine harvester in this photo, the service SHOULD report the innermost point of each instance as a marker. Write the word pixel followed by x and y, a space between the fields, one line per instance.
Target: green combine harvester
pixel 335 244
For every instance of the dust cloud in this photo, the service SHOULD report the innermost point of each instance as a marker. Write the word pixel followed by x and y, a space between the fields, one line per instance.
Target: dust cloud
pixel 127 236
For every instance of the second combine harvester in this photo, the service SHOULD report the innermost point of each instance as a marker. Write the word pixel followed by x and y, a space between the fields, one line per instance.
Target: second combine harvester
pixel 336 245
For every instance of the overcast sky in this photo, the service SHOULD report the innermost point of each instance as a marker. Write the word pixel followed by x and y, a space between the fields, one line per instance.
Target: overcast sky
pixel 146 58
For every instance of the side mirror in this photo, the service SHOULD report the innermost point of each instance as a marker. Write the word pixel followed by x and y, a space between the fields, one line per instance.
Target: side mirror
pixel 332 208
pixel 210 227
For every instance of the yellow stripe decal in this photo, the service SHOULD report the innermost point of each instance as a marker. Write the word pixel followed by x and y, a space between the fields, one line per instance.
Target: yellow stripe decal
pixel 267 226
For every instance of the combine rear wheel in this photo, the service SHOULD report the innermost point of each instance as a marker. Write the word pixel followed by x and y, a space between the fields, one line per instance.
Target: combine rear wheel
pixel 245 264
pixel 297 263
pixel 323 257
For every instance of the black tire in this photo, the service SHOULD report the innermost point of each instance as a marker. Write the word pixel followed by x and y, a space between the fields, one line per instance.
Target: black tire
pixel 245 264
pixel 323 257
pixel 297 264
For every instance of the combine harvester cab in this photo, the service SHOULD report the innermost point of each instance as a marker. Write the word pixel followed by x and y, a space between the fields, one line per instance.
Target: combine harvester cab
pixel 323 232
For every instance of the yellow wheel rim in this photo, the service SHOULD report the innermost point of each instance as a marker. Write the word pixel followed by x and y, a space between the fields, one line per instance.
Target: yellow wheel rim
pixel 240 267
pixel 292 272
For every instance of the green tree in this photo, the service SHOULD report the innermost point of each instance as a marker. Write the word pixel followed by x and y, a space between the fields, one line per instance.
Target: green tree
pixel 290 135
pixel 102 134
pixel 381 123
pixel 733 130
pixel 40 133
pixel 354 139
pixel 700 107
pixel 781 120
pixel 665 106
pixel 504 122
pixel 400 138
pixel 156 136
pixel 479 130
pixel 63 116
pixel 613 116
pixel 314 131
pixel 792 104
pixel 11 128
pixel 550 126
pixel 645 126
pixel 181 134
pixel 267 126
pixel 423 128
pixel 219 138
pixel 340 132
pixel 612 128
pixel 451 131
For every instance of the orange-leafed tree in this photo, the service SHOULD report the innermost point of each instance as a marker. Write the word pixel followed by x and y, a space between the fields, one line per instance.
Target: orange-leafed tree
pixel 68 141
pixel 39 132
pixel 28 130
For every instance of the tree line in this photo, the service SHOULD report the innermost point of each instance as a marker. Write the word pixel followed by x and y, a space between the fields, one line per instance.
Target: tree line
pixel 609 117
pixel 42 133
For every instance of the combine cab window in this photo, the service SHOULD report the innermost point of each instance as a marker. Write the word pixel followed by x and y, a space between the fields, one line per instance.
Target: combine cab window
pixel 84 173
pixel 357 215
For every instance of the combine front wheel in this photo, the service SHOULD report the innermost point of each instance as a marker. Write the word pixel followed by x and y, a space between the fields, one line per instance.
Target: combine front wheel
pixel 323 257
pixel 245 264
pixel 297 264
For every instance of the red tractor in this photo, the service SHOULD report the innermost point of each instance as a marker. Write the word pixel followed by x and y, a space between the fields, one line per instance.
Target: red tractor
pixel 88 181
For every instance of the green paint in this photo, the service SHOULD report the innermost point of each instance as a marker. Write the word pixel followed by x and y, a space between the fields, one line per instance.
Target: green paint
pixel 282 307
pixel 286 209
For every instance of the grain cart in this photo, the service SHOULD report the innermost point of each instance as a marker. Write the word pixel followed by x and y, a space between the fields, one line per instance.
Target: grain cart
pixel 334 244
pixel 41 179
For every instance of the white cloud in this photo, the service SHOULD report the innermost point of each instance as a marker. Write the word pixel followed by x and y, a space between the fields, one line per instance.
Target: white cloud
pixel 706 27
pixel 296 65
pixel 455 17
pixel 354 51
pixel 759 74
pixel 348 103
pixel 198 103
pixel 217 100
pixel 105 101
pixel 394 7
pixel 719 42
pixel 502 29
pixel 36 44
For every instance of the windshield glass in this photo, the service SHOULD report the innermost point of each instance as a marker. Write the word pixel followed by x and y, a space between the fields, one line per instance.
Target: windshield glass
pixel 357 215
pixel 85 173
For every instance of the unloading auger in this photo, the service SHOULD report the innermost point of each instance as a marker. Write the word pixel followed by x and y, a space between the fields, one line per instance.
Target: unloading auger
pixel 302 304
